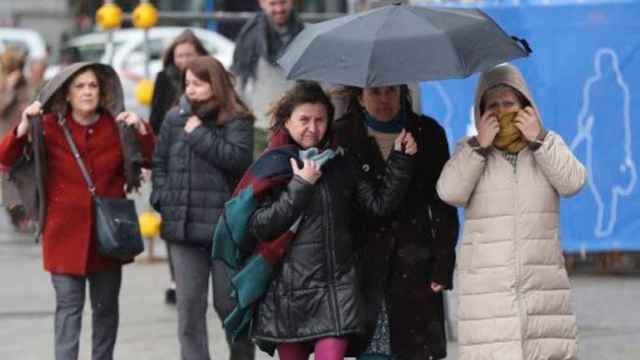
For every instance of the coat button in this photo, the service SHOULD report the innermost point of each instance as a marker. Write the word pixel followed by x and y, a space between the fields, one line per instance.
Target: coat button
pixel 404 276
pixel 366 168
pixel 90 131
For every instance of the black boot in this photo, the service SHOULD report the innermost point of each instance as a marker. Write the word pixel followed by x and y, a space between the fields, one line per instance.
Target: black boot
pixel 170 296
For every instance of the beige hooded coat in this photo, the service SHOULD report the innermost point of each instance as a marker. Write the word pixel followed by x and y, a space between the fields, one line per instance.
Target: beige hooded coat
pixel 513 289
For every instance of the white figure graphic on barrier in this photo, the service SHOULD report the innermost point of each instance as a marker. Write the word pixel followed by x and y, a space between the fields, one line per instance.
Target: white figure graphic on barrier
pixel 609 159
pixel 471 125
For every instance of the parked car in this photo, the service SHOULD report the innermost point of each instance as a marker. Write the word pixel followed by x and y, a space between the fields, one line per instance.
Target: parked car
pixel 127 53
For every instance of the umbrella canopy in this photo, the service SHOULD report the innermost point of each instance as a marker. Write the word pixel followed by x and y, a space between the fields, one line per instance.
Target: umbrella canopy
pixel 397 44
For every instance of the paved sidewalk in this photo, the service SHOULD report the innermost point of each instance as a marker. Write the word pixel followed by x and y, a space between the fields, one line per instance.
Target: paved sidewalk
pixel 607 308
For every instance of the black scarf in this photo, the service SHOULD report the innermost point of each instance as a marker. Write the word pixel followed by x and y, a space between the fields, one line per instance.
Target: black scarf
pixel 205 110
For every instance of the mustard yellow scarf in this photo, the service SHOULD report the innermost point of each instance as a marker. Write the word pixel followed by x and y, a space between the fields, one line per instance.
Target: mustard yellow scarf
pixel 509 138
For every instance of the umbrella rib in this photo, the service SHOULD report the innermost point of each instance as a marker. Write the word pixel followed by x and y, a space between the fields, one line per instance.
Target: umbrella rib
pixel 373 45
pixel 461 61
pixel 458 54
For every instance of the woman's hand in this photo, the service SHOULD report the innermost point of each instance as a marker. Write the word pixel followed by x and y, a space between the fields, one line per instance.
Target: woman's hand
pixel 488 128
pixel 192 123
pixel 35 108
pixel 436 288
pixel 131 119
pixel 310 170
pixel 405 143
pixel 527 122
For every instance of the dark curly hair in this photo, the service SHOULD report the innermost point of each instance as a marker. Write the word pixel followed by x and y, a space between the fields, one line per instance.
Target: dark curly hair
pixel 304 92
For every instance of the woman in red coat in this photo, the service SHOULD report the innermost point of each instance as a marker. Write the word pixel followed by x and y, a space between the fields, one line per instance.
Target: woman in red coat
pixel 112 144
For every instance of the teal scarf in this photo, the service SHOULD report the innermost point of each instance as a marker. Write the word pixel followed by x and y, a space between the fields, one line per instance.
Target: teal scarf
pixel 390 127
pixel 315 155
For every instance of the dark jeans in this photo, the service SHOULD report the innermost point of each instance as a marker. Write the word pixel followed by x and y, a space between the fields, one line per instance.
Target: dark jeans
pixel 193 267
pixel 104 289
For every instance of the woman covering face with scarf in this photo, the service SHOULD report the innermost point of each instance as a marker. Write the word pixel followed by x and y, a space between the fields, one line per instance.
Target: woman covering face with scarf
pixel 513 289
pixel 507 120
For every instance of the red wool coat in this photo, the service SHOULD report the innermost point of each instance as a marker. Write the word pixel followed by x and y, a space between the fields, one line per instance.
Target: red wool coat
pixel 68 241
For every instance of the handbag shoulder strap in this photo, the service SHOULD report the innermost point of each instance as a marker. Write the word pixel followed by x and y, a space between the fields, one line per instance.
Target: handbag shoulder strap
pixel 76 154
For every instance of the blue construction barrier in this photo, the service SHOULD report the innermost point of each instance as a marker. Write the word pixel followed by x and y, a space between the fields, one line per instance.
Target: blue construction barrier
pixel 584 74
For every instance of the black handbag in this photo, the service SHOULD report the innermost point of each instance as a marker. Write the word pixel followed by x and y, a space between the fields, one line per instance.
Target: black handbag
pixel 117 230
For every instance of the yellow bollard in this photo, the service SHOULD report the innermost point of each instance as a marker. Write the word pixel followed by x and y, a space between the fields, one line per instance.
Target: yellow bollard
pixel 144 92
pixel 150 229
pixel 145 15
pixel 109 16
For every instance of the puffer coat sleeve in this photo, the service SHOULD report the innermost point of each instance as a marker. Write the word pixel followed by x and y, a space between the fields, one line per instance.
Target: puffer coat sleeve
pixel 280 211
pixel 565 173
pixel 276 215
pixel 160 162
pixel 232 152
pixel 194 174
pixel 460 175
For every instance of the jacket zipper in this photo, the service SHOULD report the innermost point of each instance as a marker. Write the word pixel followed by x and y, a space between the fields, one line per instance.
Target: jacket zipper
pixel 516 247
pixel 330 241
pixel 186 215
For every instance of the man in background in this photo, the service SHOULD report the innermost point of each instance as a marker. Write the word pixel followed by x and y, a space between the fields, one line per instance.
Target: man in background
pixel 258 46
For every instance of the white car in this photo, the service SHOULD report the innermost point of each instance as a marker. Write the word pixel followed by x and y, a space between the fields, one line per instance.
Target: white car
pixel 127 54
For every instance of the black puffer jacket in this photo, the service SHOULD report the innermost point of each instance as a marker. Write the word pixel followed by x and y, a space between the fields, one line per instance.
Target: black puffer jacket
pixel 194 174
pixel 314 291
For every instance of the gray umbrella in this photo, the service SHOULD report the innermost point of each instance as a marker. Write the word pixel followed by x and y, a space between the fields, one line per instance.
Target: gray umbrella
pixel 397 44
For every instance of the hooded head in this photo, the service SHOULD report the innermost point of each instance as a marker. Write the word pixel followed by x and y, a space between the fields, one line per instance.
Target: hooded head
pixel 54 94
pixel 53 98
pixel 507 83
